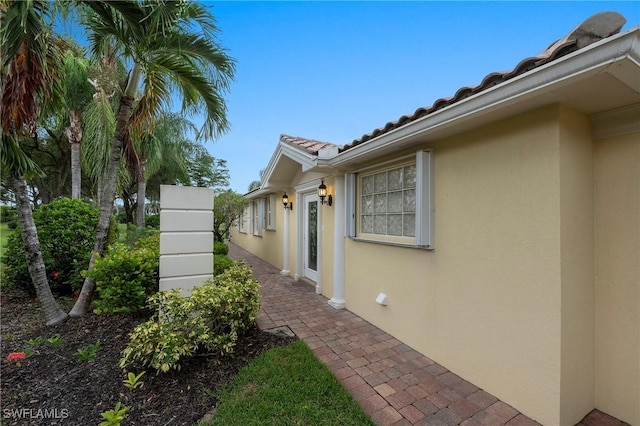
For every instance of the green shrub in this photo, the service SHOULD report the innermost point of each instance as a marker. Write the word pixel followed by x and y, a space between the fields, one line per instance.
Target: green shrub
pixel 221 263
pixel 66 231
pixel 121 216
pixel 8 214
pixel 152 221
pixel 134 233
pixel 220 248
pixel 125 277
pixel 212 319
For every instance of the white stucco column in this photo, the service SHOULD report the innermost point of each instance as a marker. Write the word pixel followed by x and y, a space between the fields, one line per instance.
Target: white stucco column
pixel 285 244
pixel 337 301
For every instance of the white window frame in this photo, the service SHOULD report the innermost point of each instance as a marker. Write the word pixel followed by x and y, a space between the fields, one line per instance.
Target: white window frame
pixel 242 221
pixel 256 219
pixel 270 212
pixel 424 203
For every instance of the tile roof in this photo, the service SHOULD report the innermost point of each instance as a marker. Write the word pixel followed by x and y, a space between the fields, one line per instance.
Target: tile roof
pixel 309 145
pixel 597 27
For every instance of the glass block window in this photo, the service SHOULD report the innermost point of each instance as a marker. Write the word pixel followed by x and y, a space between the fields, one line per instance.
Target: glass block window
pixel 388 201
pixel 392 202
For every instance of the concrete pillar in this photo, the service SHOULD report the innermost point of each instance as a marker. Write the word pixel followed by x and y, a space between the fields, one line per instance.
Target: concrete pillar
pixel 186 237
pixel 337 301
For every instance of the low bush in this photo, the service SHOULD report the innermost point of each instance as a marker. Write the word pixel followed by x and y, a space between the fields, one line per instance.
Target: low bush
pixel 152 221
pixel 126 277
pixel 220 248
pixel 221 263
pixel 66 231
pixel 135 233
pixel 211 319
pixel 8 214
pixel 121 216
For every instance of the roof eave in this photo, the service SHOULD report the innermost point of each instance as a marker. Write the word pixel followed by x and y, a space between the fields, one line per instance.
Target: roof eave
pixel 306 160
pixel 577 65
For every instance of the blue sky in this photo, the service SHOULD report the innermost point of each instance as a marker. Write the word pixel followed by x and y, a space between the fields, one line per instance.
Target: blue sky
pixel 333 71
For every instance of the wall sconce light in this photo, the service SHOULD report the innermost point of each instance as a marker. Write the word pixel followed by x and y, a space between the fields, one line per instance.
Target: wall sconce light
pixel 286 203
pixel 322 193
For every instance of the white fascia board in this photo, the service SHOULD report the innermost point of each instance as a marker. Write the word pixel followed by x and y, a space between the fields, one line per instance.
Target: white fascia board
pixel 305 159
pixel 258 193
pixel 577 65
pixel 271 165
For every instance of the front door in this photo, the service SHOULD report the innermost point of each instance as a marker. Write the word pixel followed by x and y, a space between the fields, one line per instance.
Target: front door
pixel 310 243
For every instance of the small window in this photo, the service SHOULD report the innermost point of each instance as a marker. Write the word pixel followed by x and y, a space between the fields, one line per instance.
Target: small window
pixel 392 202
pixel 256 215
pixel 242 221
pixel 269 212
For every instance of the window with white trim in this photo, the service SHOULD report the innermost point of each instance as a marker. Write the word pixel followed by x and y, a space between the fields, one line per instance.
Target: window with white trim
pixel 269 212
pixel 392 202
pixel 256 216
pixel 242 221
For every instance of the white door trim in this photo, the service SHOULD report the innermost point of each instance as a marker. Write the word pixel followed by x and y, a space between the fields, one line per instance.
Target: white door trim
pixel 309 200
pixel 302 190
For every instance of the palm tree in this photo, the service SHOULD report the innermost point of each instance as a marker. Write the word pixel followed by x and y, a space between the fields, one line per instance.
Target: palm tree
pixel 146 154
pixel 77 93
pixel 172 46
pixel 29 55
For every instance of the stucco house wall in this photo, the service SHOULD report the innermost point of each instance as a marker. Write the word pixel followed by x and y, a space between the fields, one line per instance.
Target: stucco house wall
pixel 577 393
pixel 267 246
pixel 617 276
pixel 487 299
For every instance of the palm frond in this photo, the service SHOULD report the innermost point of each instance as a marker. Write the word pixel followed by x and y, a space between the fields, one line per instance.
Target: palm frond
pixel 198 91
pixel 29 64
pixel 13 158
pixel 203 53
pixel 156 95
pixel 24 21
pixel 99 127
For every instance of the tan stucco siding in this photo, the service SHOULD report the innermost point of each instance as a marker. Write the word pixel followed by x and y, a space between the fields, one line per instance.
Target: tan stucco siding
pixel 486 302
pixel 617 264
pixel 577 396
pixel 268 246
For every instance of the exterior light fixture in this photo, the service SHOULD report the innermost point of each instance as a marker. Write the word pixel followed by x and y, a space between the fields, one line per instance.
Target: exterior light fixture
pixel 286 203
pixel 322 193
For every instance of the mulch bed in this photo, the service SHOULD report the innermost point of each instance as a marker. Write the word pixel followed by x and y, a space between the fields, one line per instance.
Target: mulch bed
pixel 52 382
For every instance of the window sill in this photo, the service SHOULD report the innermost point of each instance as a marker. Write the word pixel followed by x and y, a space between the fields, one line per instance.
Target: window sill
pixel 391 243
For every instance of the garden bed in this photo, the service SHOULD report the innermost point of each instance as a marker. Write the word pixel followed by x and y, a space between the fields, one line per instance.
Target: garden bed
pixel 53 382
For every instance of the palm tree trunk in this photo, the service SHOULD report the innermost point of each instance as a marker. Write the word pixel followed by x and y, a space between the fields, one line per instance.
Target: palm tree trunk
pixel 128 208
pixel 53 314
pixel 74 135
pixel 107 196
pixel 142 189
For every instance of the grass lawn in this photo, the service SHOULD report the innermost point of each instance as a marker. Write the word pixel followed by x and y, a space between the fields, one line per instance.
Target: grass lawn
pixel 287 385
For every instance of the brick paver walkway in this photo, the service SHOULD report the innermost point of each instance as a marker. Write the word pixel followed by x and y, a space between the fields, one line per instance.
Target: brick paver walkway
pixel 394 384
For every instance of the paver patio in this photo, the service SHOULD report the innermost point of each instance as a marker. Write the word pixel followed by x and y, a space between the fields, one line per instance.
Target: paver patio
pixel 394 384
